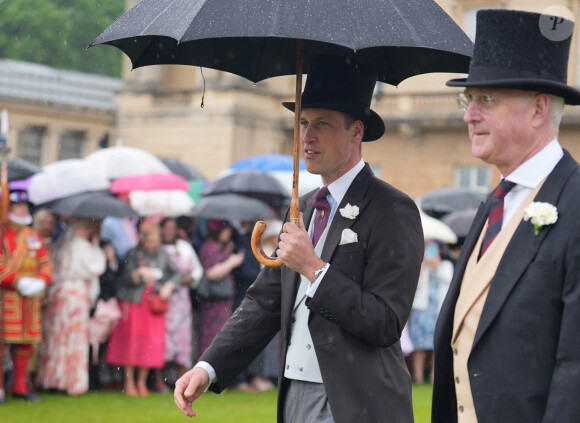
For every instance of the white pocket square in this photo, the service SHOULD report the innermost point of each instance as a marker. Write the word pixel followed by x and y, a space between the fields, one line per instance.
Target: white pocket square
pixel 348 237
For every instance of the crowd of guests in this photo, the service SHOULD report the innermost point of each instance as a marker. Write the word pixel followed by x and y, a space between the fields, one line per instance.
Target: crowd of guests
pixel 124 308
pixel 122 311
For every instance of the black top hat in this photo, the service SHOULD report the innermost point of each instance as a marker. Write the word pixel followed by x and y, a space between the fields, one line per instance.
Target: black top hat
pixel 341 84
pixel 521 50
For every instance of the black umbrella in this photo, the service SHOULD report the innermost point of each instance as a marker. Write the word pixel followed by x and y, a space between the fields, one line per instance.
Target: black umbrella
pixel 187 172
pixel 257 39
pixel 440 202
pixel 19 169
pixel 252 184
pixel 94 204
pixel 460 221
pixel 232 207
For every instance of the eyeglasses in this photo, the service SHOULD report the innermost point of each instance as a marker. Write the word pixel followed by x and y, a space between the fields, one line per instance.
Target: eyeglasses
pixel 484 101
pixel 487 102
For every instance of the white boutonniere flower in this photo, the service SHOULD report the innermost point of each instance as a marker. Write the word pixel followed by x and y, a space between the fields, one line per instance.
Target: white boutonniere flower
pixel 541 214
pixel 350 212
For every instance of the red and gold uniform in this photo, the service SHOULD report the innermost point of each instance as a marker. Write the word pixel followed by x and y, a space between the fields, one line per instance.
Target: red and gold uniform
pixel 23 255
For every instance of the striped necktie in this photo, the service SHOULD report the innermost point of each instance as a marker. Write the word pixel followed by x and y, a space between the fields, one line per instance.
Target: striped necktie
pixel 321 204
pixel 494 222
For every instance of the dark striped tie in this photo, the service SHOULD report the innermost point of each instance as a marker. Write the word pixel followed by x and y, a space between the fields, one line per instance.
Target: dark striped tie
pixel 496 214
pixel 321 204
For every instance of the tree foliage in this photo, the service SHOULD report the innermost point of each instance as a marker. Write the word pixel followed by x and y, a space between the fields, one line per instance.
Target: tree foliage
pixel 57 32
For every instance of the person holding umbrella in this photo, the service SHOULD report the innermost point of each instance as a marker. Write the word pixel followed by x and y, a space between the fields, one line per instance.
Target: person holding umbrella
pixel 506 341
pixel 350 272
pixel 25 271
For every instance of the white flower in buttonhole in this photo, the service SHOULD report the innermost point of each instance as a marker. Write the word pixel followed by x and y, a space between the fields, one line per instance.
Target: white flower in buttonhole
pixel 540 214
pixel 350 212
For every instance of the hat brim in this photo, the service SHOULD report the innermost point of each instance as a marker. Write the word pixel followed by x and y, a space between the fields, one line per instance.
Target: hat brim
pixel 571 96
pixel 374 125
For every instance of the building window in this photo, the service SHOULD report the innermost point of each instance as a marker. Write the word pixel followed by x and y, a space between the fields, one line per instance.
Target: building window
pixel 72 145
pixel 30 144
pixel 473 177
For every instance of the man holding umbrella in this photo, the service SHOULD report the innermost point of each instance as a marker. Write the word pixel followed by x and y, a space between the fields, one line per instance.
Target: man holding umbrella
pixel 506 341
pixel 350 272
pixel 25 271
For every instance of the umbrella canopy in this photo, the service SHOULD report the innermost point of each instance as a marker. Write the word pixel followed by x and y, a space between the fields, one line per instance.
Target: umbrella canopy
pixel 232 207
pixel 65 178
pixel 120 161
pixel 437 230
pixel 267 163
pixel 187 172
pixel 97 205
pixel 21 184
pixel 257 39
pixel 460 221
pixel 446 200
pixel 19 169
pixel 164 202
pixel 280 166
pixel 149 182
pixel 252 184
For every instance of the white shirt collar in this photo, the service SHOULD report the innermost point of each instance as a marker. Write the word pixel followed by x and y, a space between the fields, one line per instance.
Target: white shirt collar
pixel 339 187
pixel 533 171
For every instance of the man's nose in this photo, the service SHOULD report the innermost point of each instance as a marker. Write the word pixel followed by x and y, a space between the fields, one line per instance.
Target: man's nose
pixel 306 133
pixel 473 113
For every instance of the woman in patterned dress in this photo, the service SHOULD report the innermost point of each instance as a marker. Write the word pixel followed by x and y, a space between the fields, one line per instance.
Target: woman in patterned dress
pixel 64 353
pixel 179 317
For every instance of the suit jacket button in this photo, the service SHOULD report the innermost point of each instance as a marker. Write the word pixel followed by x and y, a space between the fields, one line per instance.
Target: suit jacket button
pixel 455 352
pixel 457 380
pixel 461 409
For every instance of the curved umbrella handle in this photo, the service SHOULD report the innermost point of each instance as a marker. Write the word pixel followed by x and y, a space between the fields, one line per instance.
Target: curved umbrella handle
pixel 257 247
pixel 294 203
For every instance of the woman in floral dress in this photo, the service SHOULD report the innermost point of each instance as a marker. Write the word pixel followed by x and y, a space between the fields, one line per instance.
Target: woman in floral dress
pixel 179 317
pixel 64 353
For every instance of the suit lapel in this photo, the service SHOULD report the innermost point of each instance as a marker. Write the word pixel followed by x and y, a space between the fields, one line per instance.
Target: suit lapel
pixel 355 196
pixel 523 247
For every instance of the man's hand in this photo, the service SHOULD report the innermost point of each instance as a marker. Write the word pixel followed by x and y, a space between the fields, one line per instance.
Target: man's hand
pixel 296 250
pixel 188 388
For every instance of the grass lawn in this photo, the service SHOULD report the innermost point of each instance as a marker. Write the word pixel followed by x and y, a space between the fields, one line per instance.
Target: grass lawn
pixel 114 407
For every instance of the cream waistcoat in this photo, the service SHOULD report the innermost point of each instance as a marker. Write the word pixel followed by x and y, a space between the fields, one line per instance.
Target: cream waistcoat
pixel 474 289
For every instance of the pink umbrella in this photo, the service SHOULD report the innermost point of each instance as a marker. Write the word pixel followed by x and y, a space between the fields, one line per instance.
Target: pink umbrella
pixel 149 182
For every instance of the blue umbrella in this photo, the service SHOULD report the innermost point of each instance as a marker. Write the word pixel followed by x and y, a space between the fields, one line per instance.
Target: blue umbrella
pixel 267 163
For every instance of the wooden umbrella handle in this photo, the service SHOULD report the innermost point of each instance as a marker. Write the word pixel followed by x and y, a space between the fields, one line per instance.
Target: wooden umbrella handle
pixel 294 203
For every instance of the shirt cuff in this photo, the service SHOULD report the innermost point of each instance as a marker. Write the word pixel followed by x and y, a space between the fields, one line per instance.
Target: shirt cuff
pixel 210 371
pixel 312 287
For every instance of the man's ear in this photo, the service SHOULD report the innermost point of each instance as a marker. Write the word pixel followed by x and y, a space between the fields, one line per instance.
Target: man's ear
pixel 541 109
pixel 358 129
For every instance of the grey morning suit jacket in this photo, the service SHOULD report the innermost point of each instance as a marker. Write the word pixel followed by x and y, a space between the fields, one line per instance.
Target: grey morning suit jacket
pixel 357 313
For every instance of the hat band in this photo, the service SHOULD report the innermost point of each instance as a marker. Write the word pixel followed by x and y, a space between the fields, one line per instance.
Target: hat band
pixel 492 73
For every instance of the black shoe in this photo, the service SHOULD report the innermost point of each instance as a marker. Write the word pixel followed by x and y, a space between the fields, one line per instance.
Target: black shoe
pixel 29 396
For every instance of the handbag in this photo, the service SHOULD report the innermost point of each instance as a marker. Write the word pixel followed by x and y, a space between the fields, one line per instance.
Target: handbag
pixel 215 290
pixel 156 304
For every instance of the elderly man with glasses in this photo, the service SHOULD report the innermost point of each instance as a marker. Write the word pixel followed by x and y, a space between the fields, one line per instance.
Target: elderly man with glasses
pixel 507 347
